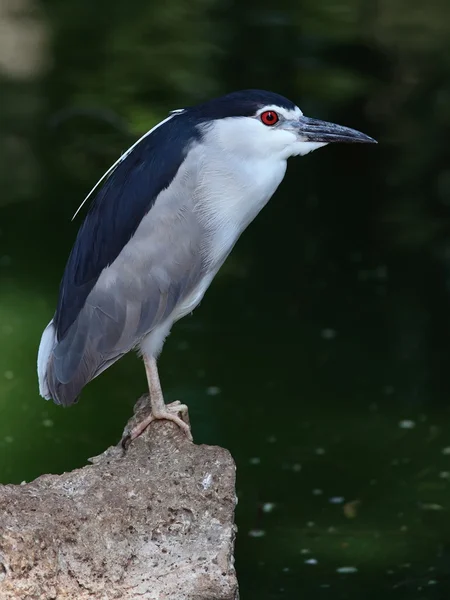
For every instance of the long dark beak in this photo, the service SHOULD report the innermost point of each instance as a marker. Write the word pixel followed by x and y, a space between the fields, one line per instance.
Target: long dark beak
pixel 322 131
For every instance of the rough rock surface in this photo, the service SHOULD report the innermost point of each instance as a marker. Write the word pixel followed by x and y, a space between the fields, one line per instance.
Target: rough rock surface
pixel 152 523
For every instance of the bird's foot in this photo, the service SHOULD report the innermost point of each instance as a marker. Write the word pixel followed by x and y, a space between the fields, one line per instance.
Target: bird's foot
pixel 170 412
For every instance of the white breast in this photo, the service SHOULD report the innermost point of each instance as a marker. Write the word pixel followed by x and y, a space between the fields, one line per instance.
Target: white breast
pixel 229 195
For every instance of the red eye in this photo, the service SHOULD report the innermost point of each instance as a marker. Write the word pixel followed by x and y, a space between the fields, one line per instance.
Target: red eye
pixel 269 117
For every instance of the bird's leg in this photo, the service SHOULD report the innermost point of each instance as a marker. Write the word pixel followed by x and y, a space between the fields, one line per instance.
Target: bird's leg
pixel 159 409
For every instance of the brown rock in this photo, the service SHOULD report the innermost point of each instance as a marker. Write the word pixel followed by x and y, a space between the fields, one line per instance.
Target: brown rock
pixel 152 523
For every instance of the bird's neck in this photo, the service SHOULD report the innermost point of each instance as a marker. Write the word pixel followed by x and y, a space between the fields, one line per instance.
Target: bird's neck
pixel 230 194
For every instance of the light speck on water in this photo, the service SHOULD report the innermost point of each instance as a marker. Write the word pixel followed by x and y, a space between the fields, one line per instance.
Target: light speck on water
pixel 446 450
pixel 255 460
pixel 317 492
pixel 381 272
pixel 432 506
pixel 305 551
pixel 319 451
pixel 8 439
pixel 8 375
pixel 268 507
pixel 297 468
pixel 311 561
pixel 407 424
pixel 444 474
pixel 310 524
pixel 256 533
pixel 271 439
pixel 336 500
pixel 328 334
pixel 346 570
pixel 47 423
pixel 213 390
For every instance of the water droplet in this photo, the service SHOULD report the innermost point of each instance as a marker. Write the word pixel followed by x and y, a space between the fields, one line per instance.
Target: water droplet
pixel 346 570
pixel 431 506
pixel 257 533
pixel 336 500
pixel 328 334
pixel 213 390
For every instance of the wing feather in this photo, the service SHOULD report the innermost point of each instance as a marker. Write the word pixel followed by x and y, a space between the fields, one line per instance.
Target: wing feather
pixel 131 263
pixel 126 196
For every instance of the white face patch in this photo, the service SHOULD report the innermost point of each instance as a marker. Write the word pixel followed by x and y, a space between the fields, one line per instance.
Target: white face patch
pixel 251 139
pixel 296 146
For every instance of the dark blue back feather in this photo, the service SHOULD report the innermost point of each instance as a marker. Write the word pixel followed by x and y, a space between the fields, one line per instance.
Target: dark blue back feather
pixel 117 209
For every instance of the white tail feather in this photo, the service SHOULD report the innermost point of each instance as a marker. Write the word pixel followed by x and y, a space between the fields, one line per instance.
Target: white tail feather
pixel 48 341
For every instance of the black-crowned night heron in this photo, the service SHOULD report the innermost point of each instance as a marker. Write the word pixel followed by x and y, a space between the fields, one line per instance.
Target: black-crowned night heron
pixel 164 220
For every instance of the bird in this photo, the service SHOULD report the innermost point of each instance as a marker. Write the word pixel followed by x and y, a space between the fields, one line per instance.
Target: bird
pixel 161 222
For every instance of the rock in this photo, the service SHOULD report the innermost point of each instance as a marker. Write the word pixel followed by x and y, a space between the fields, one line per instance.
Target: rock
pixel 152 523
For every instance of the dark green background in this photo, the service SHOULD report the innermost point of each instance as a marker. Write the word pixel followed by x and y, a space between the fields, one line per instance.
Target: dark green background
pixel 320 355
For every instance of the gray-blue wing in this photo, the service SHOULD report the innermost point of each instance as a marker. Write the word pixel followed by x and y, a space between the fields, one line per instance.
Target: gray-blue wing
pixel 159 267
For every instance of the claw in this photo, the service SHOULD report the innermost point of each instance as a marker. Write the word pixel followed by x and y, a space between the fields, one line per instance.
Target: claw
pixel 170 413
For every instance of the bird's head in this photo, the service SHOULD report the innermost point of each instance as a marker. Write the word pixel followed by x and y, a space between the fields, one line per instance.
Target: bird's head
pixel 259 123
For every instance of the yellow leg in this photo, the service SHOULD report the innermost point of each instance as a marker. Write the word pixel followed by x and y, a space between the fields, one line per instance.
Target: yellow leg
pixel 159 409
